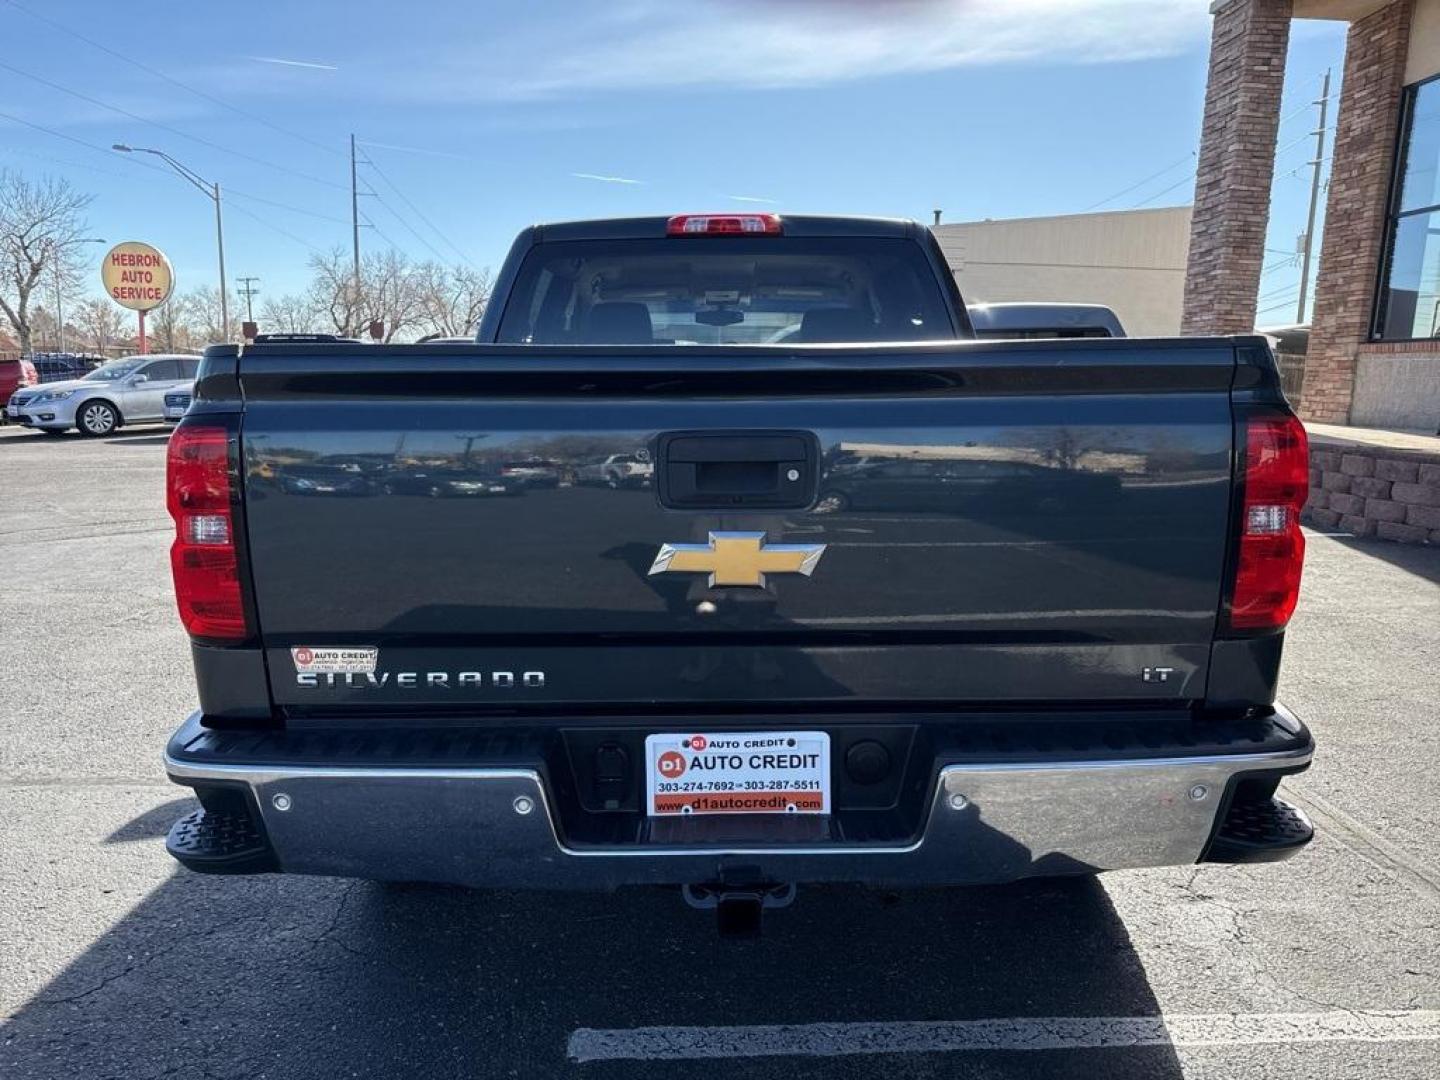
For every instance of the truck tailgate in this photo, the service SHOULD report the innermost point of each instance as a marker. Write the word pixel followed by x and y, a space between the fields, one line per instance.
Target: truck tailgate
pixel 1000 522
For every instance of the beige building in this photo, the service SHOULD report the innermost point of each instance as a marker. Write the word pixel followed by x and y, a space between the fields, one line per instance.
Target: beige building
pixel 1132 261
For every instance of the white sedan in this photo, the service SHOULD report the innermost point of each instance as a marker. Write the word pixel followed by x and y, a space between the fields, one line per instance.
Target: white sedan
pixel 130 390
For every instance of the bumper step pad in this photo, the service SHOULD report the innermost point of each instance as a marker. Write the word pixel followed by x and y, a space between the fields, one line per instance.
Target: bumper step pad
pixel 1260 832
pixel 220 842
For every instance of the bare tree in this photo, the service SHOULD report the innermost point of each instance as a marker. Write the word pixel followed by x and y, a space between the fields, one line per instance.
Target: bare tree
pixel 102 323
pixel 201 312
pixel 290 314
pixel 388 292
pixel 334 295
pixel 170 328
pixel 391 292
pixel 42 327
pixel 39 226
pixel 452 298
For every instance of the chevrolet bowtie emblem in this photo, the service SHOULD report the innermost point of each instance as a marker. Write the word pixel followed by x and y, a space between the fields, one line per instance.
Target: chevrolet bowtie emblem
pixel 737 558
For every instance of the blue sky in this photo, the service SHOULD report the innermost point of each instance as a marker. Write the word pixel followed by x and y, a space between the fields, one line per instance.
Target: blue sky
pixel 479 118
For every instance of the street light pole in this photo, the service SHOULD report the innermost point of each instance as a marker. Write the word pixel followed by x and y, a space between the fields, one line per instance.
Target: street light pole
pixel 59 311
pixel 220 247
pixel 212 191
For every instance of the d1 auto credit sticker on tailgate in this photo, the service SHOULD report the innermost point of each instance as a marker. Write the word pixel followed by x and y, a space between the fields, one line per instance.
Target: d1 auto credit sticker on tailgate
pixel 754 772
pixel 334 660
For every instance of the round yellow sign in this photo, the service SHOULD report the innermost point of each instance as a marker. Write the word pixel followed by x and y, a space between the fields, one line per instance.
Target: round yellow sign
pixel 137 276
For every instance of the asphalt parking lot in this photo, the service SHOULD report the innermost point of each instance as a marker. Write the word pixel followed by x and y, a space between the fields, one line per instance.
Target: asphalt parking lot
pixel 114 963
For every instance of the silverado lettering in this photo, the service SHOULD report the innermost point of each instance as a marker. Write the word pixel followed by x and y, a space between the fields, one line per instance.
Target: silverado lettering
pixel 504 680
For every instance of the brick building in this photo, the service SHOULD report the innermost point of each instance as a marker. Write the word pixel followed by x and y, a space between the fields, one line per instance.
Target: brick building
pixel 1374 352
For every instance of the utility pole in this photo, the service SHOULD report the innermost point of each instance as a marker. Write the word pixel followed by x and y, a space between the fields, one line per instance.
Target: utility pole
pixel 1314 197
pixel 247 290
pixel 355 222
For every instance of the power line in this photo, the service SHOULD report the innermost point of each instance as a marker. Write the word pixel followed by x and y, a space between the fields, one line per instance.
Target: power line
pixel 275 228
pixel 285 206
pixel 1172 187
pixel 82 142
pixel 1274 307
pixel 408 227
pixel 372 193
pixel 1141 183
pixel 66 162
pixel 165 172
pixel 141 163
pixel 170 78
pixel 1274 293
pixel 365 220
pixel 1283 120
pixel 418 212
pixel 166 127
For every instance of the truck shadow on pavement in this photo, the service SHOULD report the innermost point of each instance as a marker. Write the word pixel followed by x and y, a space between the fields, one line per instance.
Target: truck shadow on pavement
pixel 301 977
pixel 1422 560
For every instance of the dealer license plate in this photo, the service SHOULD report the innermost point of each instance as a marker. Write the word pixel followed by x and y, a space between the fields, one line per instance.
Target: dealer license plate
pixel 752 772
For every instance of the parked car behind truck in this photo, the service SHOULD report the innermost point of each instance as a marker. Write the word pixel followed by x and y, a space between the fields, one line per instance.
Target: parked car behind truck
pixel 16 374
pixel 1067 667
pixel 130 390
pixel 177 401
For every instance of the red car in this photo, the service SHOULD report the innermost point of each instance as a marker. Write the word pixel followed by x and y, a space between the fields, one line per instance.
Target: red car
pixel 14 375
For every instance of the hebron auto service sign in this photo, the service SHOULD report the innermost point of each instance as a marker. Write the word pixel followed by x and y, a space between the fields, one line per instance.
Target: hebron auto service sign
pixel 137 276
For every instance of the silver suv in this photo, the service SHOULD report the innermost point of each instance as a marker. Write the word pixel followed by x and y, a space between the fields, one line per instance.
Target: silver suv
pixel 130 390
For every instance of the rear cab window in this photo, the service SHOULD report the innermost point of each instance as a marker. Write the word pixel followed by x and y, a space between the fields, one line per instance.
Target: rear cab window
pixel 725 291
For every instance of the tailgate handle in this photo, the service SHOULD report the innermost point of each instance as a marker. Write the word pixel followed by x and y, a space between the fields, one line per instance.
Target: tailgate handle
pixel 723 470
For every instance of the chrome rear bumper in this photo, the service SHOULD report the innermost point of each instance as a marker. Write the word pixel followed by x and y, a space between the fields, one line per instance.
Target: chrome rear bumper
pixel 497 827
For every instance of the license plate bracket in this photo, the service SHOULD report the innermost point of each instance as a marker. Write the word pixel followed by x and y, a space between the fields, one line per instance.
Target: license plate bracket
pixel 746 772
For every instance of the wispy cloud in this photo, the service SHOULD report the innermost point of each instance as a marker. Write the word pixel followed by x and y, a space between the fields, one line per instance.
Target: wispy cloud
pixel 315 65
pixel 605 179
pixel 637 44
pixel 67 112
pixel 751 198
pixel 416 150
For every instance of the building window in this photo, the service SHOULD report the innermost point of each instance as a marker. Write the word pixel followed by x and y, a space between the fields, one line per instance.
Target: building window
pixel 1409 295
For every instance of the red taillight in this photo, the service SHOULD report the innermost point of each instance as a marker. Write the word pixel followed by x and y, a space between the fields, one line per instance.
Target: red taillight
pixel 203 557
pixel 724 225
pixel 1271 547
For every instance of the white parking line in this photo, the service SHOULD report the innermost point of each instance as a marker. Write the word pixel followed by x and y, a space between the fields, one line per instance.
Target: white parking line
pixel 1013 1033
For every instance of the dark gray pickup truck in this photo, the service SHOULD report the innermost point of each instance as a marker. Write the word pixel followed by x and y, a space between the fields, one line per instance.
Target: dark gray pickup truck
pixel 727 558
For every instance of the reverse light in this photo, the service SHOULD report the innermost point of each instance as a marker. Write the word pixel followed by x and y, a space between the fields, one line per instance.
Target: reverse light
pixel 1271 548
pixel 203 558
pixel 724 225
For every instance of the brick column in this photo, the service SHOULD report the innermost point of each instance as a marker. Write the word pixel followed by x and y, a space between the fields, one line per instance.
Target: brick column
pixel 1237 161
pixel 1355 209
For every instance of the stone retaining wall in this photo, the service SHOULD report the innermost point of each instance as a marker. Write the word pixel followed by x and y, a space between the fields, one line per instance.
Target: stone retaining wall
pixel 1393 494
